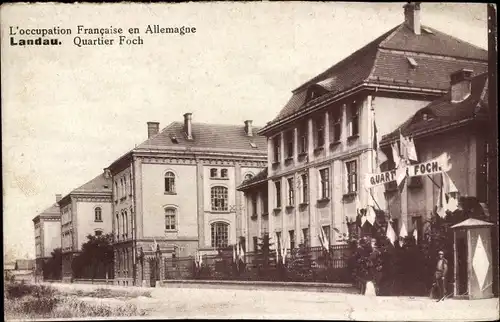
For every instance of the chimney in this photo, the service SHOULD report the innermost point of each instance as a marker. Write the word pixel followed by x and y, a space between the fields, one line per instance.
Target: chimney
pixel 153 128
pixel 412 16
pixel 188 126
pixel 460 85
pixel 58 197
pixel 248 128
pixel 107 173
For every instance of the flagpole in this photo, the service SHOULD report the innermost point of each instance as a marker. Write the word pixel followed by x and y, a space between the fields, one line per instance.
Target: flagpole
pixel 428 176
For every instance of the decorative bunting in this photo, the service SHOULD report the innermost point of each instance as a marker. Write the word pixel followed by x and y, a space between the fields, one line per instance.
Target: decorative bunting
pixel 391 235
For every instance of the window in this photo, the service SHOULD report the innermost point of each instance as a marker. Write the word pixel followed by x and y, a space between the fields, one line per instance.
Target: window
pixel 325 183
pixel 336 125
pixel 125 186
pixel 277 185
pixel 98 214
pixel 289 144
pixel 170 218
pixel 320 132
pixel 213 173
pixel 117 194
pixel 254 204
pixel 354 125
pixel 326 230
pixel 255 244
pixel 117 225
pixel 291 192
pixel 98 232
pixel 291 234
pixel 277 148
pixel 219 198
pixel 130 185
pixel 169 182
pixel 303 138
pixel 125 223
pixel 121 188
pixel 352 176
pixel 305 188
pixel 223 173
pixel 265 205
pixel 305 235
pixel 219 234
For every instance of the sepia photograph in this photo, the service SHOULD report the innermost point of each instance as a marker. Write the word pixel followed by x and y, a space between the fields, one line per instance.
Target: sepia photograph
pixel 250 160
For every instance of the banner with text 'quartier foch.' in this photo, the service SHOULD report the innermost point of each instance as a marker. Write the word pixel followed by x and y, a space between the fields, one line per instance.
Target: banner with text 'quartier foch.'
pixel 433 166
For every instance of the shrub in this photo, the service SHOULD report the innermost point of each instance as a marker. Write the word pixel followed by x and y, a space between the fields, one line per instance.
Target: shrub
pixel 18 290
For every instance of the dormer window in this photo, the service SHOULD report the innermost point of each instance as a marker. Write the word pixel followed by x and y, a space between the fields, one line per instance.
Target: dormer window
pixel 412 62
pixel 174 139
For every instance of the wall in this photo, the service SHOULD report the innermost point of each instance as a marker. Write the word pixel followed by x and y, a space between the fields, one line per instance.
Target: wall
pixel 52 236
pixel 155 199
pixel 86 219
pixel 123 205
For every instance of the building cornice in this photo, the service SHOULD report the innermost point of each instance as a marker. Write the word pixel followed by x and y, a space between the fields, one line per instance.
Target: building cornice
pixel 328 99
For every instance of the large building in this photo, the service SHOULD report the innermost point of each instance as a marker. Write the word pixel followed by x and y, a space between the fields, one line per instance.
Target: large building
pixel 85 210
pixel 47 226
pixel 320 145
pixel 456 124
pixel 178 190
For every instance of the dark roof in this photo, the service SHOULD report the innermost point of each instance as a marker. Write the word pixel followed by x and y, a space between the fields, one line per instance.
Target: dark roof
pixel 384 61
pixel 206 136
pixel 443 112
pixel 258 178
pixel 52 210
pixel 99 184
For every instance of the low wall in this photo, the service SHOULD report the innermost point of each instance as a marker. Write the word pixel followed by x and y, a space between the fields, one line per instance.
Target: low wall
pixel 263 285
pixel 93 281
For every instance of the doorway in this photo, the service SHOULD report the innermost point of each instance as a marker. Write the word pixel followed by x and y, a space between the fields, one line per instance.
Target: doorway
pixel 462 266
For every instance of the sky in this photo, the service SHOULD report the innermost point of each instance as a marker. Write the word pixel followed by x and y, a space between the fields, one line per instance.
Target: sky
pixel 68 112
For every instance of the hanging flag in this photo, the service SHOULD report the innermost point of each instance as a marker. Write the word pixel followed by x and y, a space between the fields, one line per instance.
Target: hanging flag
pixel 452 204
pixel 379 155
pixel 370 216
pixel 196 259
pixel 441 204
pixel 283 252
pixel 234 253
pixel 242 253
pixel 363 220
pixel 200 261
pixel 395 153
pixel 403 232
pixel 323 239
pixel 401 173
pixel 415 235
pixel 391 235
pixel 403 146
pixel 450 186
pixel 411 150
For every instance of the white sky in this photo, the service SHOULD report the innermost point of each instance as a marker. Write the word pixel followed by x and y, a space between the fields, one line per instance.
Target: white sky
pixel 68 112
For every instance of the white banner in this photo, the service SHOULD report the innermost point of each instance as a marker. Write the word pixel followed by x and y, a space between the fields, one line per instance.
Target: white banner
pixel 433 166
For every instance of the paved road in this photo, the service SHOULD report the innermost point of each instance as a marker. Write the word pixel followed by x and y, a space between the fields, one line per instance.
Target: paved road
pixel 259 304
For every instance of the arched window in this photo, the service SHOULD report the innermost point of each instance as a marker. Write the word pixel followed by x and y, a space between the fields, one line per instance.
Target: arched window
pixel 223 173
pixel 117 223
pixel 98 214
pixel 125 223
pixel 170 182
pixel 220 231
pixel 98 232
pixel 170 218
pixel 219 198
pixel 213 173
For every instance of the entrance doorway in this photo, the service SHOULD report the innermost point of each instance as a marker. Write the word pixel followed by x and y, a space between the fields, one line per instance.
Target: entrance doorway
pixel 462 265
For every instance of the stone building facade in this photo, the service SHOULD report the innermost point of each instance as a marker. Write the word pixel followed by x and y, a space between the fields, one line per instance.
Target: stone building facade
pixel 85 210
pixel 177 190
pixel 322 142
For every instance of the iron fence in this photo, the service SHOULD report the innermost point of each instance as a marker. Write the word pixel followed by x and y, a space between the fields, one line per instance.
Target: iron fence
pixel 320 266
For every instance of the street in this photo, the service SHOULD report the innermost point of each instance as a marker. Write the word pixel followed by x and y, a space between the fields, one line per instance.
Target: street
pixel 258 304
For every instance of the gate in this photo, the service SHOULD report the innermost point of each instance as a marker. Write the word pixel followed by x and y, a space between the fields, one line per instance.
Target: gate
pixel 154 271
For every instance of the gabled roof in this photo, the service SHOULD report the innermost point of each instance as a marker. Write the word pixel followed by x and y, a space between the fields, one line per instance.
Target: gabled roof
pixel 99 184
pixel 260 177
pixel 52 211
pixel 206 136
pixel 443 112
pixel 384 61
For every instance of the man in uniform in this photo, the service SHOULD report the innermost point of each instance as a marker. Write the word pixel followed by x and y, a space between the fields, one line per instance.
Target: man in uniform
pixel 440 275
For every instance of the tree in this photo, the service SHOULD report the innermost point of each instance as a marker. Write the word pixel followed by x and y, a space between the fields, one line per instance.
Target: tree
pixel 265 258
pixel 52 267
pixel 300 264
pixel 96 257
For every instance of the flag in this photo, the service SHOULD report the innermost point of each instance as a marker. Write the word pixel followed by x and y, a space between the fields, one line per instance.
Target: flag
pixel 154 246
pixel 323 240
pixel 370 216
pixel 196 259
pixel 415 235
pixel 391 235
pixel 283 252
pixel 452 204
pixel 277 249
pixel 450 186
pixel 403 146
pixel 242 252
pixel 395 154
pixel 234 253
pixel 403 232
pixel 201 258
pixel 379 155
pixel 363 220
pixel 400 173
pixel 441 204
pixel 411 150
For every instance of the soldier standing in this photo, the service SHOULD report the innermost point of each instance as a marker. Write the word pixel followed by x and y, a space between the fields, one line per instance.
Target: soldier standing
pixel 440 275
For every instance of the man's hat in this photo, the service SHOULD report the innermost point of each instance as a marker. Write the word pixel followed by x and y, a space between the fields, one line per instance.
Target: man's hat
pixel 441 252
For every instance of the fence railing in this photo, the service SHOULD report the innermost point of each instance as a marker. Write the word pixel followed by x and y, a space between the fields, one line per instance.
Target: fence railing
pixel 313 264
